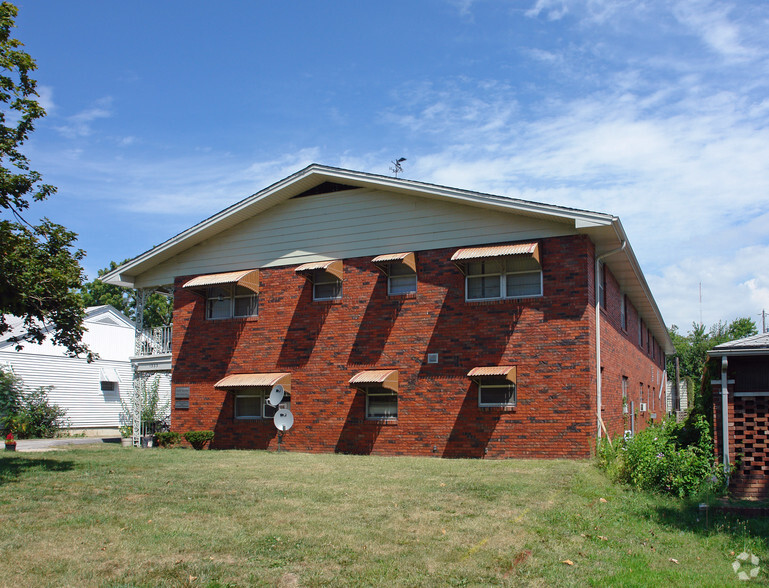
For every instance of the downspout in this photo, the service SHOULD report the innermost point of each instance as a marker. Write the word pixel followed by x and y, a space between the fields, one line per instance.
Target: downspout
pixel 598 260
pixel 725 412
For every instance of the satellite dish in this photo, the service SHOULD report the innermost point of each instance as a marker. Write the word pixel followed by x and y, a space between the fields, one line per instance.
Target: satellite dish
pixel 283 419
pixel 276 395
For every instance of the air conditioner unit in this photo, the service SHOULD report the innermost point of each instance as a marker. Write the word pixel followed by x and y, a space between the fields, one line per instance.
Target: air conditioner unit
pixel 643 407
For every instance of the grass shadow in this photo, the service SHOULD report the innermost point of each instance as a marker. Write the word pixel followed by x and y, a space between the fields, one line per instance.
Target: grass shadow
pixel 689 517
pixel 12 467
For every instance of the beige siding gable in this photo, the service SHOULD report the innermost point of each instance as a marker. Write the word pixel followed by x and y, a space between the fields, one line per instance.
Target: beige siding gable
pixel 349 224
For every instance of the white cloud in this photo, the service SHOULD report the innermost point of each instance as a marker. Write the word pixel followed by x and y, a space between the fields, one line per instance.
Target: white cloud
pixel 79 125
pixel 711 21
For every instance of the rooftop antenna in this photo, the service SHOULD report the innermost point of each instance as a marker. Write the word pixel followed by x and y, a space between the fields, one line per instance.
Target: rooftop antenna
pixel 397 168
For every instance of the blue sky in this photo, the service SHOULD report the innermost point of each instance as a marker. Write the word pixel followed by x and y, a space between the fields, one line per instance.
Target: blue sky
pixel 162 113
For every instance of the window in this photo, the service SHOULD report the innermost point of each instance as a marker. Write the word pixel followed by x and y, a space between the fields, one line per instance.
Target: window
pixel 602 284
pixel 401 279
pixel 252 404
pixel 623 312
pixel 326 286
pixel 503 277
pixel 625 389
pixel 648 340
pixel 381 403
pixel 493 392
pixel 231 301
pixel 108 386
pixel 640 333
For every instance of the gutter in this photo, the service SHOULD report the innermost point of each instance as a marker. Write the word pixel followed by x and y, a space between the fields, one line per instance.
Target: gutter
pixel 599 258
pixel 725 412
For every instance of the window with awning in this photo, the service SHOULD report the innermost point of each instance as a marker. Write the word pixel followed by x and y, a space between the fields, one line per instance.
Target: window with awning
pixel 251 392
pixel 497 385
pixel 326 278
pixel 401 272
pixel 229 294
pixel 500 271
pixel 381 388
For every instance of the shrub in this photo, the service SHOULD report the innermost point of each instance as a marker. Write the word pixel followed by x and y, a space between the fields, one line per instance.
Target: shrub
pixel 36 417
pixel 168 439
pixel 10 395
pixel 198 439
pixel 669 458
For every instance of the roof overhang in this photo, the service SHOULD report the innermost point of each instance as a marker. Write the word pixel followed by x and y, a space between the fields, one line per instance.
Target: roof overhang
pixel 246 278
pixel 255 380
pixel 604 230
pixel 383 378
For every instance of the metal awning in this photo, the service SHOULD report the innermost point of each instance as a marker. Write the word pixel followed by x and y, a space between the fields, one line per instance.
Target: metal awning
pixel 384 378
pixel 472 253
pixel 406 259
pixel 333 267
pixel 507 372
pixel 253 380
pixel 246 278
pixel 108 374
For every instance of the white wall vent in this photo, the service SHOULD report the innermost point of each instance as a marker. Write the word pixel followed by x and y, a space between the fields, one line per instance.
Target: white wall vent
pixel 432 358
pixel 643 407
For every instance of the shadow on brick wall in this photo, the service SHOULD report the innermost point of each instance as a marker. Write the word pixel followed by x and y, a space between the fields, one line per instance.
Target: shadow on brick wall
pixel 306 324
pixel 358 435
pixel 375 328
pixel 472 429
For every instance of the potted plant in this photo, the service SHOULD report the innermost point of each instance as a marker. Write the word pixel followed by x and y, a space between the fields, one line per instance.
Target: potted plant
pixel 10 442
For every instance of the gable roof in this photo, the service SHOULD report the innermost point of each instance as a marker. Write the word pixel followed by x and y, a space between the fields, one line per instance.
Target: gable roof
pixel 604 230
pixel 753 345
pixel 103 313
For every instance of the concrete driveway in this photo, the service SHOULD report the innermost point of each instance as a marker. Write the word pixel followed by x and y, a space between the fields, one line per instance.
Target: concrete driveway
pixel 29 445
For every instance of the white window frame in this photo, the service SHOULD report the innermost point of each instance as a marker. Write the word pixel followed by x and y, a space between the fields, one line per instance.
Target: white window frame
pixel 232 296
pixel 490 384
pixel 377 391
pixel 408 273
pixel 324 278
pixel 502 273
pixel 266 412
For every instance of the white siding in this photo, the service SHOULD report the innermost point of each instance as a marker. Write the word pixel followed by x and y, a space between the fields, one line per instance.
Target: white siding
pixel 76 385
pixel 349 224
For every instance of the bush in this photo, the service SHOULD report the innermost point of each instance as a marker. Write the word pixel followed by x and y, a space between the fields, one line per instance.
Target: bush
pixel 28 414
pixel 669 458
pixel 198 439
pixel 35 417
pixel 168 439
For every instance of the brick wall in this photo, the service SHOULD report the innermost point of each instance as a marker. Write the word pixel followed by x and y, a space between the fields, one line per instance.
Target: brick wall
pixel 323 344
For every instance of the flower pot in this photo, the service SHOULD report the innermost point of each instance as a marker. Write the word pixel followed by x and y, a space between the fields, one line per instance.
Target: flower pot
pixel 10 446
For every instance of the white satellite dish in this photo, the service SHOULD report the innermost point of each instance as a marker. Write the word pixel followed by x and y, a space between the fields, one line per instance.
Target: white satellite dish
pixel 283 419
pixel 276 395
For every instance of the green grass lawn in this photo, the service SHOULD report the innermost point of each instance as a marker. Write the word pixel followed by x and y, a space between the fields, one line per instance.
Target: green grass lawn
pixel 113 516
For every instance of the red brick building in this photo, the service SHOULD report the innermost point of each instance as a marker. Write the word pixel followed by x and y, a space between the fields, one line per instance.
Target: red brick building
pixel 741 369
pixel 408 318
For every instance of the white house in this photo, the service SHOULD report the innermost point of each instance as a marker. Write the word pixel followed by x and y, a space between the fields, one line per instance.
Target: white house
pixel 90 392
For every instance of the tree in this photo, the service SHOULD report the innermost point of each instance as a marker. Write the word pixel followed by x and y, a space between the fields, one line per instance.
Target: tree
pixel 40 269
pixel 158 309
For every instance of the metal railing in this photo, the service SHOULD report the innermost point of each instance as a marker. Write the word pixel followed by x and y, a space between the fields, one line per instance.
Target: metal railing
pixel 156 341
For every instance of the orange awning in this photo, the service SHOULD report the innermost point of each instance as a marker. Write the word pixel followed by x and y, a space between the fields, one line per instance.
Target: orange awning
pixel 472 253
pixel 246 278
pixel 384 378
pixel 333 267
pixel 497 371
pixel 253 380
pixel 406 259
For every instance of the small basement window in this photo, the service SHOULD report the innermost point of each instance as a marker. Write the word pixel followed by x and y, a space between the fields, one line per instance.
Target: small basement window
pixel 496 393
pixel 251 404
pixel 381 403
pixel 497 385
